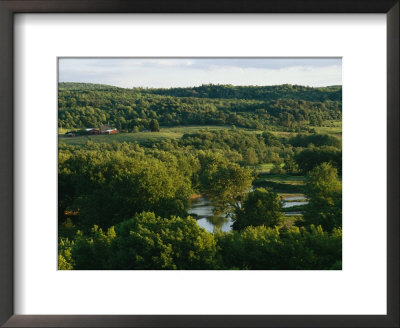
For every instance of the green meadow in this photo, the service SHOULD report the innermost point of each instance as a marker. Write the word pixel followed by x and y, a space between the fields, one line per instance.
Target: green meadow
pixel 175 132
pixel 138 137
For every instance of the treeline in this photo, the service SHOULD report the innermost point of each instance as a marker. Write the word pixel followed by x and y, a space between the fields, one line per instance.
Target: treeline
pixel 147 242
pixel 275 92
pixel 293 108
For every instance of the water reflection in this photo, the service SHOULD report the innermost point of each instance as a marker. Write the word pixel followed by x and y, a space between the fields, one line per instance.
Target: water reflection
pixel 295 198
pixel 291 204
pixel 216 223
pixel 202 209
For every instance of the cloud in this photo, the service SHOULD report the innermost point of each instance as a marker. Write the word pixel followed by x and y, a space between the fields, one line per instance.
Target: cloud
pixel 265 63
pixel 170 72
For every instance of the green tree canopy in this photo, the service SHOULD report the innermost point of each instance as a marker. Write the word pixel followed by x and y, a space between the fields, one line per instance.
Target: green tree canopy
pixel 92 251
pixel 106 187
pixel 150 242
pixel 225 183
pixel 154 126
pixel 314 156
pixel 261 207
pixel 324 191
pixel 250 157
pixel 262 248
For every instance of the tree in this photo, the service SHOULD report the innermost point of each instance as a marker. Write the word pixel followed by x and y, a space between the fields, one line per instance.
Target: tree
pixel 64 254
pixel 250 157
pixel 148 242
pixel 318 140
pixel 224 183
pixel 324 192
pixel 262 248
pixel 251 248
pixel 271 140
pixel 105 187
pixel 261 207
pixel 154 126
pixel 314 156
pixel 92 252
pixel 277 169
pixel 291 166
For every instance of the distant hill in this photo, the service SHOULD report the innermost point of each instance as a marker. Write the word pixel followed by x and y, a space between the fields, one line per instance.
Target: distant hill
pixel 227 91
pixel 76 86
pixel 285 91
pixel 287 107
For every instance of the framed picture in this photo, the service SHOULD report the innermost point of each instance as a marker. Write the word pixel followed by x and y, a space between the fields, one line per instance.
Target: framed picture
pixel 164 161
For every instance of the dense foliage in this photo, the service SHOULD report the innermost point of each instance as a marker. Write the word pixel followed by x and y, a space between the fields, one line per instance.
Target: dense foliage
pixel 125 205
pixel 324 190
pixel 145 242
pixel 291 107
pixel 109 184
pixel 261 248
pixel 285 91
pixel 260 208
pixel 148 242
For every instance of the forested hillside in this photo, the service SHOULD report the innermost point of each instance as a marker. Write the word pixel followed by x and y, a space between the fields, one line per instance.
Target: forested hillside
pixel 285 91
pixel 292 108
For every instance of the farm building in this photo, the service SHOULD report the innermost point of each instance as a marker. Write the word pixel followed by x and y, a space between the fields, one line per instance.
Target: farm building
pixel 94 131
pixel 104 128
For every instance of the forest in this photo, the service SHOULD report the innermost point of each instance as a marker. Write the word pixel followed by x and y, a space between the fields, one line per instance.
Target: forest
pixel 292 108
pixel 215 177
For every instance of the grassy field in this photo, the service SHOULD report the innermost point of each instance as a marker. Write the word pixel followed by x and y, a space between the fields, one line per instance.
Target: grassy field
pixel 283 133
pixel 282 183
pixel 139 137
pixel 335 129
pixel 181 129
pixel 286 195
pixel 264 168
pixel 287 222
pixel 63 131
pixel 178 131
pixel 195 128
pixel 284 178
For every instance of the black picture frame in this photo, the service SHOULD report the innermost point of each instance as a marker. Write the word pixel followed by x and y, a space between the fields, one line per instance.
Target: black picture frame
pixel 7 10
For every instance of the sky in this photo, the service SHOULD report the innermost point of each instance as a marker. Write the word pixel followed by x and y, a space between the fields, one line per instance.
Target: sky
pixel 189 72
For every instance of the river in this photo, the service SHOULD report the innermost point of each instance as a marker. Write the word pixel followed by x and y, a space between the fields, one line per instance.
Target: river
pixel 202 209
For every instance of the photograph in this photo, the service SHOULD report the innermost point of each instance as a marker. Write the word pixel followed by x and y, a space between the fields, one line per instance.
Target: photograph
pixel 199 163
